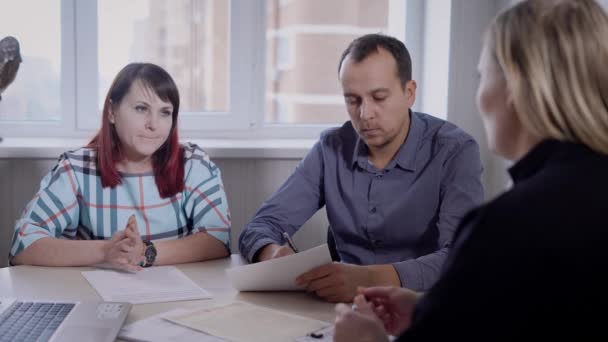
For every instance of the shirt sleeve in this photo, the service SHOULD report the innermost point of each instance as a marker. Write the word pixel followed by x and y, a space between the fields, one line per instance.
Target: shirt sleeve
pixel 461 190
pixel 288 208
pixel 205 201
pixel 53 212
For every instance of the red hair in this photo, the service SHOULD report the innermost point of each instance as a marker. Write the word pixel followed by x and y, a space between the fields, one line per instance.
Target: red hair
pixel 168 160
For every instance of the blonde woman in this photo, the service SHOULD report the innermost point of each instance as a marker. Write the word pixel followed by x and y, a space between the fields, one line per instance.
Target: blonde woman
pixel 534 261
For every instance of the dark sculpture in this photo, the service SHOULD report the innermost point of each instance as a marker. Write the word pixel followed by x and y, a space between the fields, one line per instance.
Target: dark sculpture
pixel 10 58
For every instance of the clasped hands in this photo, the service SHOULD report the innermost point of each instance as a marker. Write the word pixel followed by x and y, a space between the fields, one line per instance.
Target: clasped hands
pixel 125 250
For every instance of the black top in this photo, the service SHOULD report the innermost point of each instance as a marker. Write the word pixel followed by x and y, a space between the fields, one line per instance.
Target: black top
pixel 531 263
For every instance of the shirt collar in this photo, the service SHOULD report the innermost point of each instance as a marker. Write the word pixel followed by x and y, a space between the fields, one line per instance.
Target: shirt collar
pixel 406 155
pixel 534 160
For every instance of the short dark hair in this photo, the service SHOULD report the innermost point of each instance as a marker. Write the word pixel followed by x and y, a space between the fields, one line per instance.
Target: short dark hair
pixel 362 47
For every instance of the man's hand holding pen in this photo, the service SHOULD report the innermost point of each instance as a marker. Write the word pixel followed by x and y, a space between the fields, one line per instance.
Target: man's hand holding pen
pixel 290 242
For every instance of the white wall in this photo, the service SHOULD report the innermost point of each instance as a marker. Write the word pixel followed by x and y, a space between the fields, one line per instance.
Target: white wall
pixel 468 22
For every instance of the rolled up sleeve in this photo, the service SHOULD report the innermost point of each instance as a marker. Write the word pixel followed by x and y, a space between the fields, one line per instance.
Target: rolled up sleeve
pixel 206 202
pixel 288 208
pixel 53 210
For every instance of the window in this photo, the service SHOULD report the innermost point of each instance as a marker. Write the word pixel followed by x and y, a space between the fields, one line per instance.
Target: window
pixel 244 68
pixel 304 41
pixel 435 63
pixel 35 94
pixel 189 38
pixel 284 53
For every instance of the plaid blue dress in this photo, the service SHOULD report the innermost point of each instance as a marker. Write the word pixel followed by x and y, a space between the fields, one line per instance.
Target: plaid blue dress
pixel 72 204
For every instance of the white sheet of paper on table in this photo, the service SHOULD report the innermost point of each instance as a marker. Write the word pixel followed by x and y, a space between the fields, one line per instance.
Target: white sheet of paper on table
pixel 278 274
pixel 157 329
pixel 150 285
pixel 244 322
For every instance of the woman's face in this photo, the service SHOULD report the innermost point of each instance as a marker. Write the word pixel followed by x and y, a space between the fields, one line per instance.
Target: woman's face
pixel 504 131
pixel 143 122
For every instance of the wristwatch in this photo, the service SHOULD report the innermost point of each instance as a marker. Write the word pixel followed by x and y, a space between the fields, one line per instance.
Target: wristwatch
pixel 149 254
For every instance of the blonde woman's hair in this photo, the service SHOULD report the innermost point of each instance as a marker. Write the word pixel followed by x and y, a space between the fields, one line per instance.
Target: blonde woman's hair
pixel 554 56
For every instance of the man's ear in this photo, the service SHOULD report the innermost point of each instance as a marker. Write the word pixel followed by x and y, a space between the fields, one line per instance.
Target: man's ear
pixel 410 92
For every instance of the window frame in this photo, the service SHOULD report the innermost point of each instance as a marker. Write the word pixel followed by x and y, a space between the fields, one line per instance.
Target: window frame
pixel 245 120
pixel 62 127
pixel 242 68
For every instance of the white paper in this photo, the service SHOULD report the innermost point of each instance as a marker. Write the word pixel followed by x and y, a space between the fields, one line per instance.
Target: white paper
pixel 278 274
pixel 243 322
pixel 150 285
pixel 157 329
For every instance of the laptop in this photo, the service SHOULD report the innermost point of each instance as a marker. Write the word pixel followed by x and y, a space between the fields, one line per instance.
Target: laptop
pixel 24 320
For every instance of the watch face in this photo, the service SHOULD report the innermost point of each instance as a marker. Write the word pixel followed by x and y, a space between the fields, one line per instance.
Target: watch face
pixel 150 254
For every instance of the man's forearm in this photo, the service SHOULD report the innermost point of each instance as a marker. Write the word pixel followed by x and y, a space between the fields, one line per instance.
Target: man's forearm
pixel 265 252
pixel 384 275
pixel 254 238
pixel 421 273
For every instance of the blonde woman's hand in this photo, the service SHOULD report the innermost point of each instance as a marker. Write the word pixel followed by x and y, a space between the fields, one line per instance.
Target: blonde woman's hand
pixel 393 305
pixel 360 324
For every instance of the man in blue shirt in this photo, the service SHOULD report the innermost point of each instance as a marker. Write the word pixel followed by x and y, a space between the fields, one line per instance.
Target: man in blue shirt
pixel 395 183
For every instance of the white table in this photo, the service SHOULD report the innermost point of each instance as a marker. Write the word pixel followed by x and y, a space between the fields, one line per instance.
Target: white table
pixel 67 283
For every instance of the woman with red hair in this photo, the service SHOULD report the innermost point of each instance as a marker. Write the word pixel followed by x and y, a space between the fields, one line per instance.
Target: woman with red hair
pixel 134 197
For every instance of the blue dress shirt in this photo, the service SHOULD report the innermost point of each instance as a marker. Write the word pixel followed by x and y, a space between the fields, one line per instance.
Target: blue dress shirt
pixel 404 214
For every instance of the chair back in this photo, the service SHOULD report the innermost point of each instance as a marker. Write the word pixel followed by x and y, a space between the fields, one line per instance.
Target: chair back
pixel 331 243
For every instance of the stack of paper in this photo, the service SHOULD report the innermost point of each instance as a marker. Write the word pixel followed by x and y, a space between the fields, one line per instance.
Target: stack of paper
pixel 150 285
pixel 243 322
pixel 278 274
pixel 157 329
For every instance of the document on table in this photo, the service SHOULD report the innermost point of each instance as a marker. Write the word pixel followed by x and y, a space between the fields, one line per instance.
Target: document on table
pixel 157 329
pixel 278 274
pixel 243 322
pixel 150 285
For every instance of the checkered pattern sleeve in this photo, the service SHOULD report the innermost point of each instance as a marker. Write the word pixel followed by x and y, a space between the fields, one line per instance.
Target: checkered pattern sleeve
pixel 205 200
pixel 53 212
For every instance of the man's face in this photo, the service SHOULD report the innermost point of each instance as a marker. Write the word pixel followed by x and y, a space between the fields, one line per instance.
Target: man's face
pixel 376 101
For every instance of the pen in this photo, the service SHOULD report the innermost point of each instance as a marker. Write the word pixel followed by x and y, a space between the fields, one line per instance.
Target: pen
pixel 290 242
